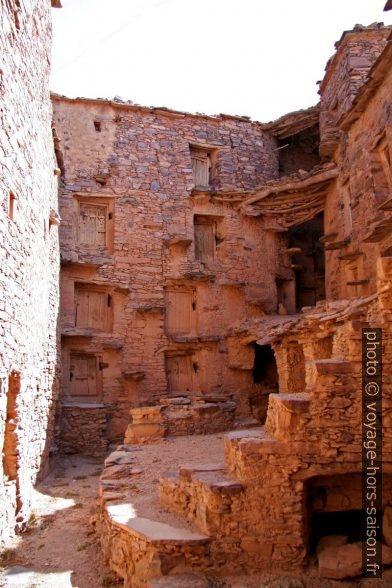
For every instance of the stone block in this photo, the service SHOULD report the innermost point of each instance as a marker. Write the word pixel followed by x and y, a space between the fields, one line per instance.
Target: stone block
pixel 144 432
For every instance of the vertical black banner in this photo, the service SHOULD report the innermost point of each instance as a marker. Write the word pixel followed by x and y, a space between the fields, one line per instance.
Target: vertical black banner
pixel 372 452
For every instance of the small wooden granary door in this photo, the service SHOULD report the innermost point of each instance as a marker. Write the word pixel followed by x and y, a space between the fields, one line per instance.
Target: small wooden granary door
pixel 180 311
pixel 92 308
pixel 204 238
pixel 83 375
pixel 200 168
pixel 92 225
pixel 179 374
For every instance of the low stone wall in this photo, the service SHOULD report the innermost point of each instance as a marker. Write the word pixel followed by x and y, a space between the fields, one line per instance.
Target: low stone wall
pixel 180 416
pixel 83 429
pixel 139 549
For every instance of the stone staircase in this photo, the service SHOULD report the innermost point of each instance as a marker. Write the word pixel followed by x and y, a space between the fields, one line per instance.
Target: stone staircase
pixel 247 514
pixel 205 495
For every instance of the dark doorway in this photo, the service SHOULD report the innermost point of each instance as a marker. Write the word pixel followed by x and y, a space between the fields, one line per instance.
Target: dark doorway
pixel 285 292
pixel 265 379
pixel 299 151
pixel 264 367
pixel 348 523
pixel 309 263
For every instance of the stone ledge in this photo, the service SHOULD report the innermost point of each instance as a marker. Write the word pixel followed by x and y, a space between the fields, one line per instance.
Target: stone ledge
pixel 83 405
pixel 296 402
pixel 333 367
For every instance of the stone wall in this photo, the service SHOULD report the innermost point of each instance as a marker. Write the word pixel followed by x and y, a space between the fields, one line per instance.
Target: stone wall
pixel 346 72
pixel 137 162
pixel 29 257
pixel 180 416
pixel 357 220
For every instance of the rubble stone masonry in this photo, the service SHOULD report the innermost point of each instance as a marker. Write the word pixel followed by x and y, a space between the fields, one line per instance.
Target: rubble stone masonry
pixel 29 257
pixel 172 304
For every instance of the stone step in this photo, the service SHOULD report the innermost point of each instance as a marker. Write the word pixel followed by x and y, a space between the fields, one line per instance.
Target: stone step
pixel 234 438
pixel 333 367
pixel 320 372
pixel 205 495
pixel 123 515
pixel 244 433
pixel 186 471
pixel 243 447
pixel 170 494
pixel 174 486
pixel 218 482
pixel 139 549
pixel 297 402
pixel 246 423
pixel 287 415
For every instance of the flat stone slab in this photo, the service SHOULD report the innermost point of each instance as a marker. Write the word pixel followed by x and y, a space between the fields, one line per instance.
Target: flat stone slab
pixel 297 402
pixel 120 458
pixel 205 467
pixel 333 366
pixel 246 423
pixel 87 405
pixel 187 470
pixel 219 482
pixel 256 431
pixel 152 530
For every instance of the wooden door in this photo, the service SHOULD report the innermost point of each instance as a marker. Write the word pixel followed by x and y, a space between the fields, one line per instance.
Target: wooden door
pixel 83 375
pixel 200 168
pixel 180 309
pixel 204 238
pixel 179 374
pixel 92 225
pixel 92 308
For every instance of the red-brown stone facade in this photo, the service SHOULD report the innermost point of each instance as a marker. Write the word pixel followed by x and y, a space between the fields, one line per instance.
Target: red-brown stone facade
pixel 148 302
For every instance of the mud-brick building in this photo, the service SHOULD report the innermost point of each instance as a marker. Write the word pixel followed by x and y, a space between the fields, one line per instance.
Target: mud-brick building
pixel 29 257
pixel 159 270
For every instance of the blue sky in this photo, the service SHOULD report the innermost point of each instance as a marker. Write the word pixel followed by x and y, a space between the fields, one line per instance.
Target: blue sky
pixel 249 57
